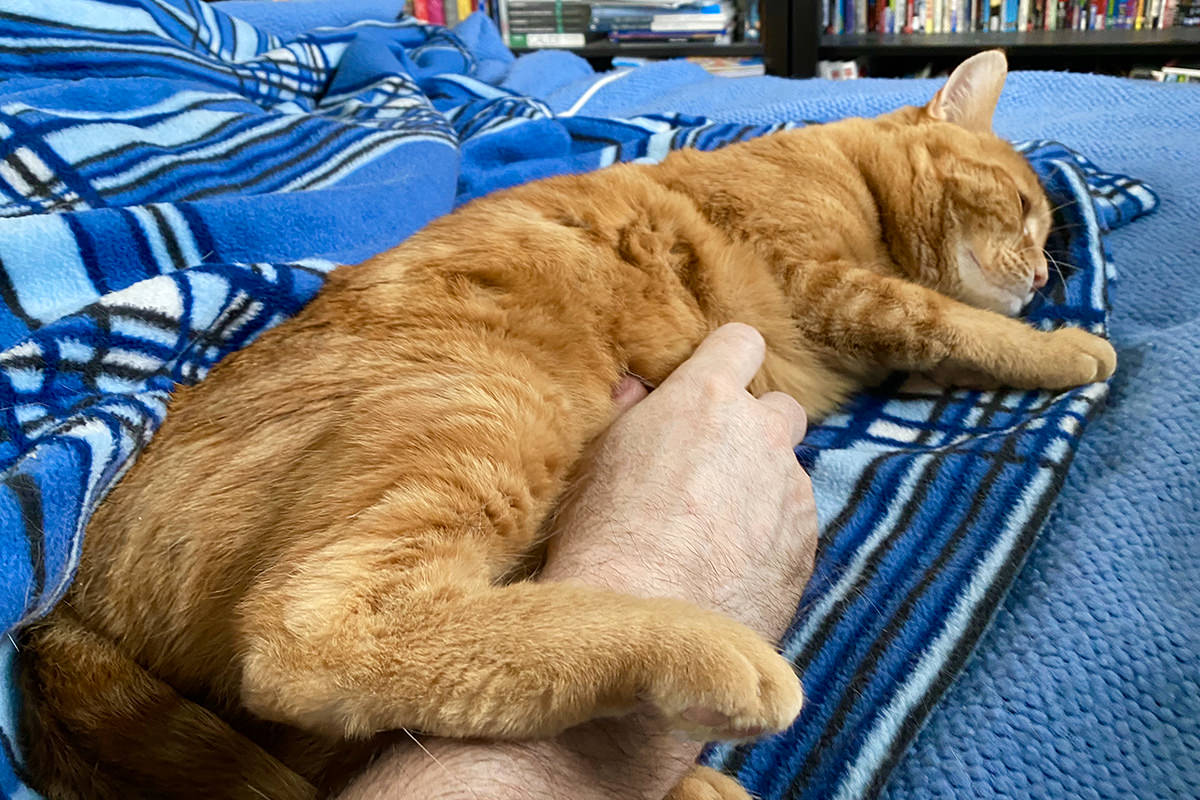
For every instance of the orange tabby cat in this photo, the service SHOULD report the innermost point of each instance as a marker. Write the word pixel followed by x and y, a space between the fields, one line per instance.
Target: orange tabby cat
pixel 318 545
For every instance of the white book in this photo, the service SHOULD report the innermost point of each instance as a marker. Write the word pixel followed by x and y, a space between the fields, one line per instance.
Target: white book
pixel 671 26
pixel 539 40
pixel 714 20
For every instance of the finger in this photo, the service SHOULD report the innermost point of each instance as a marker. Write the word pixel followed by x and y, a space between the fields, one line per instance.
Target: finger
pixel 732 353
pixel 792 411
pixel 628 392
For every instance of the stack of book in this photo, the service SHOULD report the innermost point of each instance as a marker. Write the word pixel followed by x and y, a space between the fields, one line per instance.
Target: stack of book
pixel 962 16
pixel 573 23
pixel 665 20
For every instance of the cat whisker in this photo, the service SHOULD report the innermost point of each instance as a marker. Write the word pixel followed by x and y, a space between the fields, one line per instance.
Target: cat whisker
pixel 1067 204
pixel 449 774
pixel 1065 226
pixel 1054 264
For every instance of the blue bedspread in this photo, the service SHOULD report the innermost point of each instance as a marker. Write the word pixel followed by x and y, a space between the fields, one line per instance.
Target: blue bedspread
pixel 132 187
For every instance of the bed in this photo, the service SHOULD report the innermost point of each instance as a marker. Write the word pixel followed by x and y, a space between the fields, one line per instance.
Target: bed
pixel 1006 601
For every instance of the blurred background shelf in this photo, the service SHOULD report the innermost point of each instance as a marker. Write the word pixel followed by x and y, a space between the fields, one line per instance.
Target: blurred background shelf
pixel 1115 51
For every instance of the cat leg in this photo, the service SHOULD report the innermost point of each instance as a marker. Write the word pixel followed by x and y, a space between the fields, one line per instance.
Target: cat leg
pixel 703 783
pixel 897 325
pixel 343 645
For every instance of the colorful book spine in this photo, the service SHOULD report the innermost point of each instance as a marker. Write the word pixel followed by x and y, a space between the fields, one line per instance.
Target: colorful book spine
pixel 1010 14
pixel 1168 17
pixel 464 9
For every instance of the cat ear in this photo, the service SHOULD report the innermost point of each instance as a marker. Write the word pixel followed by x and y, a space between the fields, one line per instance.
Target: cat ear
pixel 971 92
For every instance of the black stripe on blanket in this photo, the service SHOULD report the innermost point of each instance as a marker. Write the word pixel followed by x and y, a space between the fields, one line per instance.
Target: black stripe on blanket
pixel 29 498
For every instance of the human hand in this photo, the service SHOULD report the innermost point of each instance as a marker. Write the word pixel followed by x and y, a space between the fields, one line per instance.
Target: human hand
pixel 694 494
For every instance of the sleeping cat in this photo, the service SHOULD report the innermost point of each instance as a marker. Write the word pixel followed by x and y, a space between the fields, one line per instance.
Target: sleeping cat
pixel 318 544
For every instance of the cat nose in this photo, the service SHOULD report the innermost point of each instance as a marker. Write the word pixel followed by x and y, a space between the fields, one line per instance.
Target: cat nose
pixel 1040 276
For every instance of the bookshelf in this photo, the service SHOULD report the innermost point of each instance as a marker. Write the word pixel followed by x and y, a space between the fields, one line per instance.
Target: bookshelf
pixel 1110 51
pixel 772 46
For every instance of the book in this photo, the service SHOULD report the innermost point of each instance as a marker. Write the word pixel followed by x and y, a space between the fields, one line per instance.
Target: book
pixel 1168 17
pixel 546 40
pixel 728 67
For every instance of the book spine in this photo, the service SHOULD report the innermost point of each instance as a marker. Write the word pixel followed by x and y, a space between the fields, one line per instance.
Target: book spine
pixel 437 13
pixel 1168 17
pixel 1023 15
pixel 421 10
pixel 502 14
pixel 860 24
pixel 464 9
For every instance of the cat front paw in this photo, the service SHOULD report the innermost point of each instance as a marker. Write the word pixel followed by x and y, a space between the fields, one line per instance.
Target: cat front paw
pixel 725 683
pixel 703 783
pixel 1074 357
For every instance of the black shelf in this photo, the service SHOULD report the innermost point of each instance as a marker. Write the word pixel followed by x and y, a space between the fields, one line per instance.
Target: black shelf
pixel 1170 41
pixel 607 49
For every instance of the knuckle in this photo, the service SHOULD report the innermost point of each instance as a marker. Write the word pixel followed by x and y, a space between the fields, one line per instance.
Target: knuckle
pixel 713 389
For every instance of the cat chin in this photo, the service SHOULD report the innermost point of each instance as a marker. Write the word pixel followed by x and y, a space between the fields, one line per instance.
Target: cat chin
pixel 978 290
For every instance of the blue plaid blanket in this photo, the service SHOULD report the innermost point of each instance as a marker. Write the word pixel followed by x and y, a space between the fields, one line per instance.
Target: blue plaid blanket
pixel 174 181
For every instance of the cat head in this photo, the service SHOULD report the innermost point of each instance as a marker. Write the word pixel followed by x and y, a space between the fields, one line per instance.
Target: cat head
pixel 970 218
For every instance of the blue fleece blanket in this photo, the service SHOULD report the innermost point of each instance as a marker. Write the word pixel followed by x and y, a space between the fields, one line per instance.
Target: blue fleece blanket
pixel 171 172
